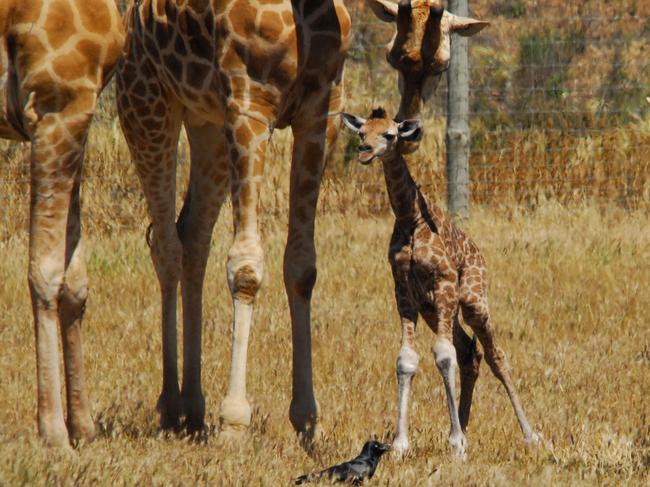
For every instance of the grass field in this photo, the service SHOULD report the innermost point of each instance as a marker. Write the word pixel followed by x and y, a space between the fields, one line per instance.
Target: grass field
pixel 570 293
pixel 569 289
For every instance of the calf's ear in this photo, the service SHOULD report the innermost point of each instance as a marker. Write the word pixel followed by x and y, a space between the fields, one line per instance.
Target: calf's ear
pixel 353 122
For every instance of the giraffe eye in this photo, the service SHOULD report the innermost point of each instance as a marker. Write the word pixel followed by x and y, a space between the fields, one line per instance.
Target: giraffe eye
pixel 389 136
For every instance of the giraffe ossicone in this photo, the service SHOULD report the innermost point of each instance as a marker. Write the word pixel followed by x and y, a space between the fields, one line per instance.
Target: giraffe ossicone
pixel 55 58
pixel 438 271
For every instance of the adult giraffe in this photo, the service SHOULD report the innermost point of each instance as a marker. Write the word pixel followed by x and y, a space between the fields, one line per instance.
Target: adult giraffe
pixel 231 72
pixel 55 58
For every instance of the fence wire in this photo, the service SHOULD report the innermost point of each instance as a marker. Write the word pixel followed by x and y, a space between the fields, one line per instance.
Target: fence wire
pixel 557 103
pixel 557 111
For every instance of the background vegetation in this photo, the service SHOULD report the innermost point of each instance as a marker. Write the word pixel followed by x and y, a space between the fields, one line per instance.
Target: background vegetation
pixel 560 191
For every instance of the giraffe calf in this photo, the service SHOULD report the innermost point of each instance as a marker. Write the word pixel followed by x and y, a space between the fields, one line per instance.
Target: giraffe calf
pixel 438 270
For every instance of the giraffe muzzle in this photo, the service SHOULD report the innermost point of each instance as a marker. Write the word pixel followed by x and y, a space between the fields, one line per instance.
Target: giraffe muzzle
pixel 366 155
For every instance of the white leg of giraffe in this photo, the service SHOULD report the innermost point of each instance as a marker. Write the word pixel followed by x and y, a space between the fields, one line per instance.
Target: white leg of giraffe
pixel 57 153
pixel 407 366
pixel 314 133
pixel 445 294
pixel 445 357
pixel 151 125
pixel 207 190
pixel 247 139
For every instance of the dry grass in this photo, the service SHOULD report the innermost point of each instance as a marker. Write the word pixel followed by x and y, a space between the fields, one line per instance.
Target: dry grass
pixel 570 293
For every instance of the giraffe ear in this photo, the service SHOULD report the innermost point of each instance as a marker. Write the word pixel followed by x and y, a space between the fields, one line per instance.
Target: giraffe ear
pixel 385 10
pixel 410 130
pixel 466 26
pixel 353 122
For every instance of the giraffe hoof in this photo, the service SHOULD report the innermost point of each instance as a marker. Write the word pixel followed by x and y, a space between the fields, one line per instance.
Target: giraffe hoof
pixel 234 414
pixel 169 406
pixel 400 446
pixel 458 446
pixel 194 411
pixel 535 440
pixel 83 430
pixel 55 437
pixel 304 419
pixel 231 434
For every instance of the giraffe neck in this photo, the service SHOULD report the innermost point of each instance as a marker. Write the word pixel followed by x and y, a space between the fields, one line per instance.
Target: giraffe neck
pixel 402 191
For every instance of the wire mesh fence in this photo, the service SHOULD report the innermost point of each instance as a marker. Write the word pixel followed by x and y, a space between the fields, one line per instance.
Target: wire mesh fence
pixel 557 112
pixel 557 100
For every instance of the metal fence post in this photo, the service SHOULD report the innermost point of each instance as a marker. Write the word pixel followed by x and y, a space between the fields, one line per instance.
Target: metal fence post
pixel 457 121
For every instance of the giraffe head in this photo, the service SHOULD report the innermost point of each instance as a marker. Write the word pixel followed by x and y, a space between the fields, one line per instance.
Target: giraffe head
pixel 381 137
pixel 420 49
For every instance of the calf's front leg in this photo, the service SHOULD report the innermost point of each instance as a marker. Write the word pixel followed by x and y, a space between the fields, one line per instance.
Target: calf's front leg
pixel 407 358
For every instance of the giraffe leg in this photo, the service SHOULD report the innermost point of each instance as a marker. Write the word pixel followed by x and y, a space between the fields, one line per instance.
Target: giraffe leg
pixel 444 352
pixel 206 193
pixel 399 254
pixel 406 367
pixel 477 315
pixel 57 153
pixel 314 133
pixel 469 358
pixel 247 139
pixel 151 124
pixel 71 310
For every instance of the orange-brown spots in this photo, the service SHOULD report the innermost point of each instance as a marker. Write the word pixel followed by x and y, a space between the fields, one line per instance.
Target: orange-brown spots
pixel 245 284
pixel 271 25
pixel 243 135
pixel 95 16
pixel 58 24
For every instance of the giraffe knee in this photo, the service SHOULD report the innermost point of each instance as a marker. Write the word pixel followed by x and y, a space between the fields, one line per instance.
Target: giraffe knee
pixel 166 252
pixel 245 269
pixel 445 355
pixel 45 279
pixel 496 358
pixel 407 362
pixel 245 284
pixel 74 293
pixel 301 283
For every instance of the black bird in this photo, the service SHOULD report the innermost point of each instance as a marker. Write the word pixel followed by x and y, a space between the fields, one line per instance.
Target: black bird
pixel 354 471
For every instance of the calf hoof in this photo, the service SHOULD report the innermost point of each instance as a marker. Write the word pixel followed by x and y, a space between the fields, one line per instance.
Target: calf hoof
pixel 458 444
pixel 534 440
pixel 400 446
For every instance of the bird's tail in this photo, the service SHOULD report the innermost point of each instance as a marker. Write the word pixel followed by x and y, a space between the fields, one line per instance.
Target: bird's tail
pixel 309 477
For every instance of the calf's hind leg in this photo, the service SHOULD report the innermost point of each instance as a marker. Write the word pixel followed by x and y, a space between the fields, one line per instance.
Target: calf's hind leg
pixel 469 361
pixel 476 314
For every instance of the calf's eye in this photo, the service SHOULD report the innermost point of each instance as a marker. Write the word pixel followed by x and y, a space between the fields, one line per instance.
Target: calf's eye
pixel 389 137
